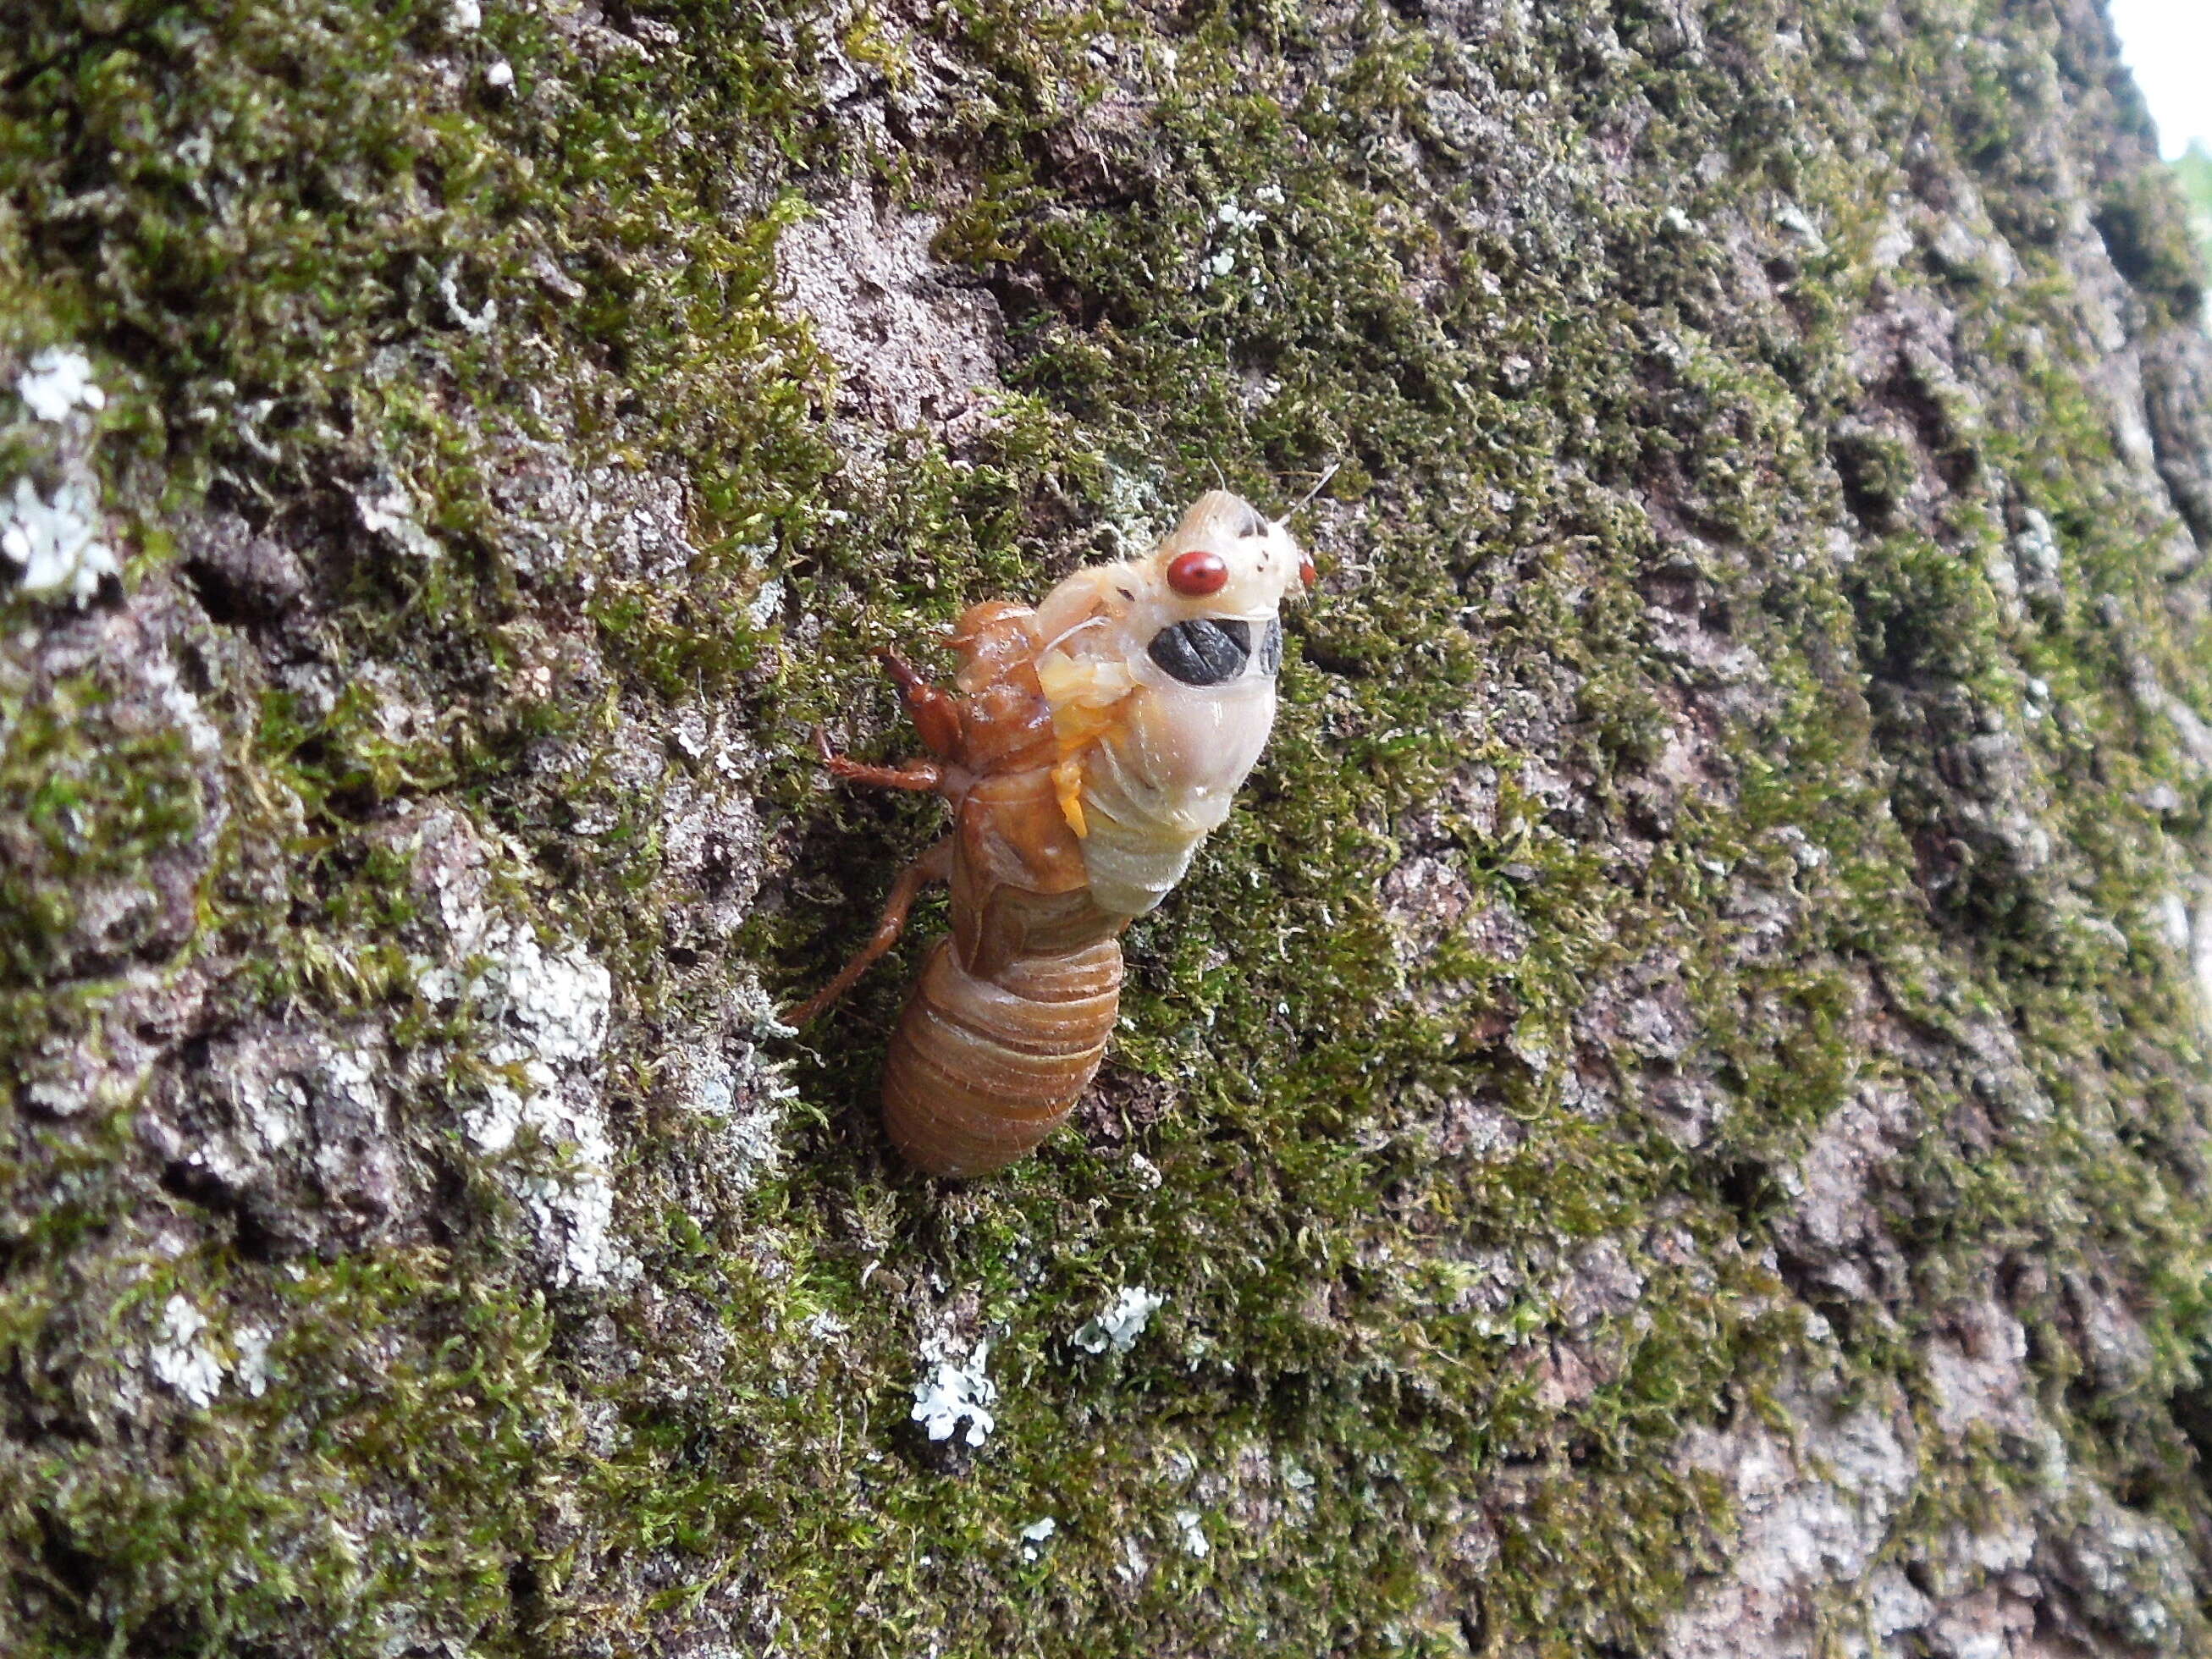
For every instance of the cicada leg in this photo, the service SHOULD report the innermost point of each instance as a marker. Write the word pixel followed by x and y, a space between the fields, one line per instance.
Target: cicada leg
pixel 935 712
pixel 935 864
pixel 914 775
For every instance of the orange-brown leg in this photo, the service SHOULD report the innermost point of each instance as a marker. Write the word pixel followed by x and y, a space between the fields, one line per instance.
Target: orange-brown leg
pixel 935 864
pixel 935 713
pixel 916 774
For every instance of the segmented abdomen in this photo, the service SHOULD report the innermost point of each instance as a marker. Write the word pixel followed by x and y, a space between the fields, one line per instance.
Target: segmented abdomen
pixel 980 1071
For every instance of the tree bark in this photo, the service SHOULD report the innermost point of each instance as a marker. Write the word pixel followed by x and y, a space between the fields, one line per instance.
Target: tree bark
pixel 1671 1122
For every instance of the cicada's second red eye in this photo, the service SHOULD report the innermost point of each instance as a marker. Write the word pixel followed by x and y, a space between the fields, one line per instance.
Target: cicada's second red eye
pixel 1306 575
pixel 1198 573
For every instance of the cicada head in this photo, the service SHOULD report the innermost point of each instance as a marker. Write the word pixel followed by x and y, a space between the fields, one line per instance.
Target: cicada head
pixel 1229 559
pixel 1160 673
pixel 1211 592
pixel 1200 612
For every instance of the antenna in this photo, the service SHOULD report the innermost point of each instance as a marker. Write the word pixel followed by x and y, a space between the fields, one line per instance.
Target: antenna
pixel 1307 501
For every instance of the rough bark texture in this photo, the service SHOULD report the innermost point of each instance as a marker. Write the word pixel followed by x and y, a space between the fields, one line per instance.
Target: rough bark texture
pixel 1672 1121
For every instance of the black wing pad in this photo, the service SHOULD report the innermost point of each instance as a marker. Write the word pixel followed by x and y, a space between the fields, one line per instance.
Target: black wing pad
pixel 1203 651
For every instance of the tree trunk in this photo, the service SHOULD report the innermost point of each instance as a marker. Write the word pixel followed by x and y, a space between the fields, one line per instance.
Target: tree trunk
pixel 1671 1122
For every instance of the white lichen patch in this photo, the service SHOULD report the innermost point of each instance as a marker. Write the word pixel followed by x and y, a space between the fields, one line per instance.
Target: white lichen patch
pixel 1799 223
pixel 2035 548
pixel 955 1391
pixel 1193 1534
pixel 1123 1322
pixel 56 543
pixel 251 1369
pixel 58 381
pixel 2169 914
pixel 2129 1564
pixel 1036 1535
pixel 1234 225
pixel 350 1074
pixel 387 512
pixel 767 604
pixel 558 1006
pixel 1299 1482
pixel 182 1359
pixel 1132 1567
pixel 2200 955
pixel 550 1011
pixel 747 1096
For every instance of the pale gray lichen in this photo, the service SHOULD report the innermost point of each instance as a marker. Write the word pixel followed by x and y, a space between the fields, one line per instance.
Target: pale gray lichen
pixel 1193 1533
pixel 387 511
pixel 954 1390
pixel 58 382
pixel 57 544
pixel 549 1013
pixel 2199 940
pixel 1122 1323
pixel 251 1370
pixel 1134 1566
pixel 181 1359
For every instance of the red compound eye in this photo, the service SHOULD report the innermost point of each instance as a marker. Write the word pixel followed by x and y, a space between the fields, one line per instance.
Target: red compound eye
pixel 1306 573
pixel 1198 573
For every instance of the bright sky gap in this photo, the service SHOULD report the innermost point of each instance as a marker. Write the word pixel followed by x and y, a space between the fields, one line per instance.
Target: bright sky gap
pixel 2168 44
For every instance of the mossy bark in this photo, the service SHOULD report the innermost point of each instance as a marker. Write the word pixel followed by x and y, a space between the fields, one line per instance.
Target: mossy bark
pixel 1673 1119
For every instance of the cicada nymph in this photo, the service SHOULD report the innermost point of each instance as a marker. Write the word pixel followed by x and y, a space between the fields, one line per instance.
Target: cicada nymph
pixel 1091 744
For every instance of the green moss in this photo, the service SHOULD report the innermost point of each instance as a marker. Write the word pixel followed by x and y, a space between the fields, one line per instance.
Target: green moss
pixel 85 806
pixel 1591 466
pixel 386 1382
pixel 2152 244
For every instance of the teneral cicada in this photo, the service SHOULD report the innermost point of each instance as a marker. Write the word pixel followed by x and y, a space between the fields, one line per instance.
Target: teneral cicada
pixel 1091 745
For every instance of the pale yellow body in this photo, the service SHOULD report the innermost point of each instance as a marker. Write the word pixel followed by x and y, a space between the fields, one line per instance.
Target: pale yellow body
pixel 1150 765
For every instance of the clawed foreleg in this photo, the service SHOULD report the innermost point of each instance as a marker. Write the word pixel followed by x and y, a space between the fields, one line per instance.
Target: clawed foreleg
pixel 935 712
pixel 914 775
